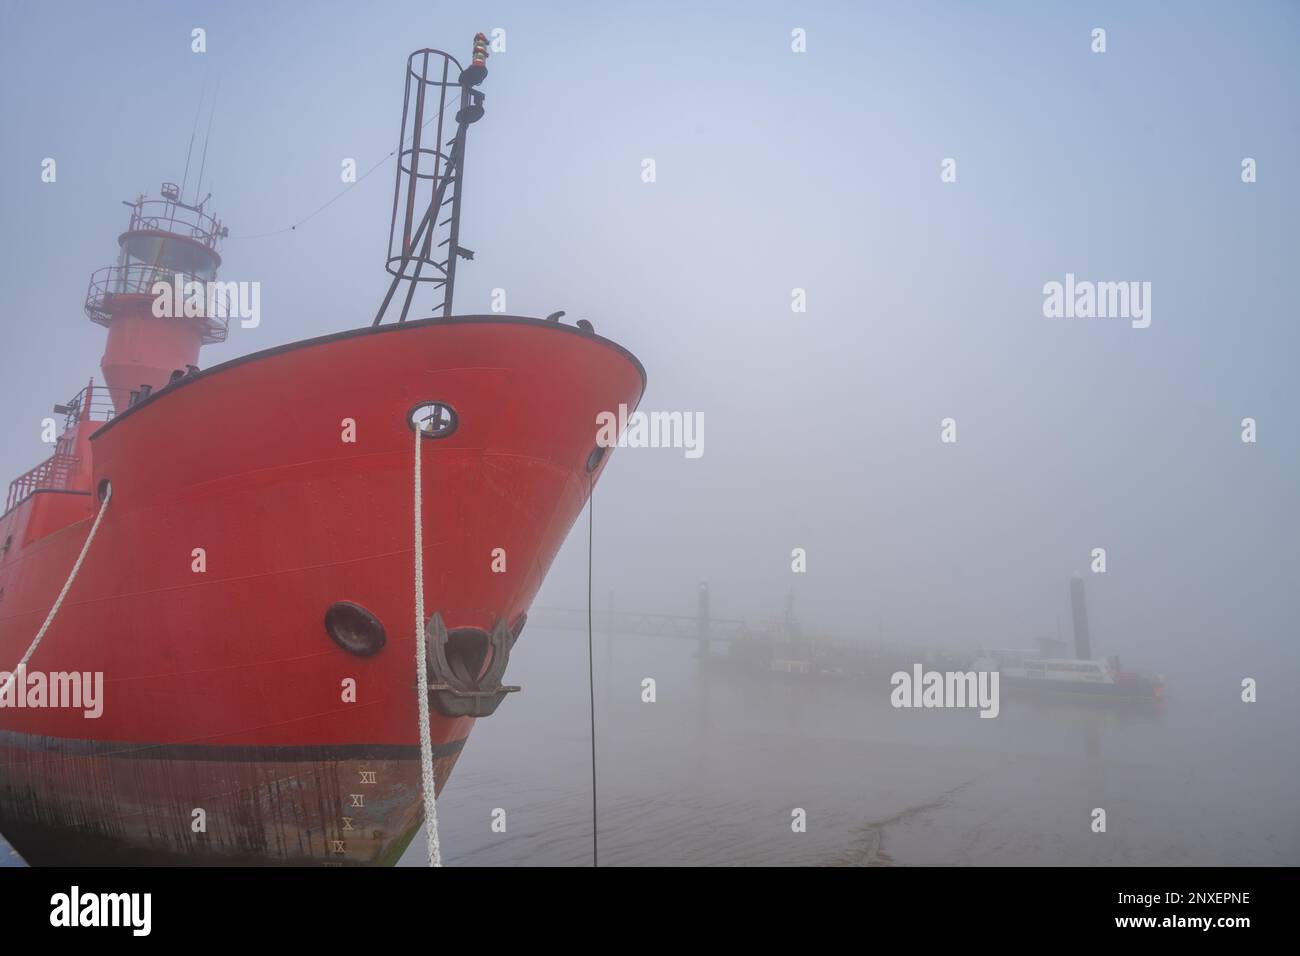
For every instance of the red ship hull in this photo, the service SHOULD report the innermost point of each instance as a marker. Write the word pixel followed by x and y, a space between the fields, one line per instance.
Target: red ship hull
pixel 223 691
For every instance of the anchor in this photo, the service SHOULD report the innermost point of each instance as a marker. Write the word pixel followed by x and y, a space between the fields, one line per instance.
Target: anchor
pixel 456 688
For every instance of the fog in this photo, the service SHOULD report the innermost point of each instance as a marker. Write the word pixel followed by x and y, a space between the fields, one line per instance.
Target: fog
pixel 779 171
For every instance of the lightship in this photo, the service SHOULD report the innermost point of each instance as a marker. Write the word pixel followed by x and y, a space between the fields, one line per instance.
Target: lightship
pixel 248 596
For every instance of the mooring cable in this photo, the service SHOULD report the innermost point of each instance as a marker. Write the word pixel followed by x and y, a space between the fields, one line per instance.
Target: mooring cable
pixel 67 586
pixel 422 674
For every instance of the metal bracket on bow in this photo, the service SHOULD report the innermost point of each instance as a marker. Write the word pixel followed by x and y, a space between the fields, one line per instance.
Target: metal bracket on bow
pixel 456 688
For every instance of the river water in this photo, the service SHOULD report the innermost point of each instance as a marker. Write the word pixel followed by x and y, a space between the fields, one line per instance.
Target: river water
pixel 710 773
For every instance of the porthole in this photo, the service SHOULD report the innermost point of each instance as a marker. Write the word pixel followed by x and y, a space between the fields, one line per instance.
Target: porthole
pixel 354 629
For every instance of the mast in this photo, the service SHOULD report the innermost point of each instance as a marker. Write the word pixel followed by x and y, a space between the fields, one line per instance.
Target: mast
pixel 430 170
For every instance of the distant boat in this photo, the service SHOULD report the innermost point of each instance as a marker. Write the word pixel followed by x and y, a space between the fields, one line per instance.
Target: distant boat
pixel 1030 670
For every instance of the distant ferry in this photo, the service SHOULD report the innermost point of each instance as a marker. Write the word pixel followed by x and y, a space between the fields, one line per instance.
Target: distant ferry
pixel 1030 670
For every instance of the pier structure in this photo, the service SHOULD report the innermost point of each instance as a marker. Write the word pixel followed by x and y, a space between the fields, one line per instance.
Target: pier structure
pixel 778 647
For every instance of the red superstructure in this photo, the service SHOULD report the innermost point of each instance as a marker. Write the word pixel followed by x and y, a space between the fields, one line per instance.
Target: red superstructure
pixel 249 595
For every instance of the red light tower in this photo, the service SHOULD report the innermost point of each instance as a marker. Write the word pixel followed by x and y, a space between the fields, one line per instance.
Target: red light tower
pixel 153 334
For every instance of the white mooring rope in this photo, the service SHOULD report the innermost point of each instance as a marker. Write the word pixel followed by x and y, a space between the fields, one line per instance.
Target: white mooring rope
pixel 422 675
pixel 67 585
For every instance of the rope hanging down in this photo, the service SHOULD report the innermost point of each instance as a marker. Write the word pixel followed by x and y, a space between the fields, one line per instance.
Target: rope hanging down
pixel 422 674
pixel 591 665
pixel 67 585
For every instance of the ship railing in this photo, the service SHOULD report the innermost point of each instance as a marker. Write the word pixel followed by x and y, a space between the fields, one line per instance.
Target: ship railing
pixel 92 403
pixel 138 278
pixel 53 474
pixel 172 216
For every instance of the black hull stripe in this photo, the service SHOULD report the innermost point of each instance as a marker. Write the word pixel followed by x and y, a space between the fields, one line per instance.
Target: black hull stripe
pixel 239 753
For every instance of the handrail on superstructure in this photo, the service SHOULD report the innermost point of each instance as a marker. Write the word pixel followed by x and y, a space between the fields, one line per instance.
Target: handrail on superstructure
pixel 176 218
pixel 139 278
pixel 55 473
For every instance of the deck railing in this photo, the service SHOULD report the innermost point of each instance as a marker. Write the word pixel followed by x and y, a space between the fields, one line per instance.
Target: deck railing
pixel 92 403
pixel 179 219
pixel 54 473
pixel 138 278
